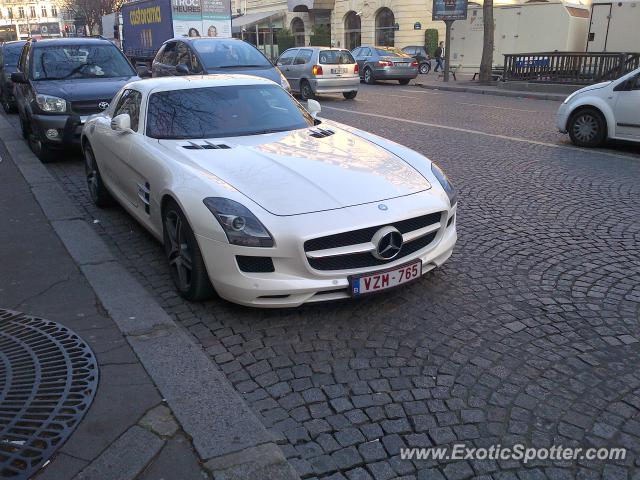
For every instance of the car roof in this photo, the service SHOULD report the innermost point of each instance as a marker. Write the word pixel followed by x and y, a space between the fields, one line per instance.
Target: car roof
pixel 210 39
pixel 69 41
pixel 161 84
pixel 14 42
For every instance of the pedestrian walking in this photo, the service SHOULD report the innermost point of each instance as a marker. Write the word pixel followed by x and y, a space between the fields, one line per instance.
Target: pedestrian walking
pixel 439 57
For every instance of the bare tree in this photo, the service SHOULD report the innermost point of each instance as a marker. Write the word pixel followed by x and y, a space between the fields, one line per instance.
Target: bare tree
pixel 91 11
pixel 486 64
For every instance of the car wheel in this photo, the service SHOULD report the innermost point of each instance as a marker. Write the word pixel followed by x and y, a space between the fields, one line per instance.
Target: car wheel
pixel 97 190
pixel 44 152
pixel 587 128
pixel 350 95
pixel 368 76
pixel 425 68
pixel 306 92
pixel 186 265
pixel 404 81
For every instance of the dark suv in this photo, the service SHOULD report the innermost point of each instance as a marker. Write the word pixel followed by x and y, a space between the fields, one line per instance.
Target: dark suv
pixel 59 83
pixel 9 56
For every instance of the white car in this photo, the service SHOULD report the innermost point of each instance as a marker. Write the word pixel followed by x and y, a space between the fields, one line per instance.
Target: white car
pixel 605 110
pixel 258 200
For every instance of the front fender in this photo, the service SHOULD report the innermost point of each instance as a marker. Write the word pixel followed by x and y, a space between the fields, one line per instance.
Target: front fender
pixel 602 105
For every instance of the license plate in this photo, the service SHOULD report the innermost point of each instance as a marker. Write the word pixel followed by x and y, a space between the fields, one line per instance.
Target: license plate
pixel 338 70
pixel 382 280
pixel 402 64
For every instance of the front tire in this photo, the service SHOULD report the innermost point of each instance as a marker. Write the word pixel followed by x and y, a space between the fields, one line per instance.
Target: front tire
pixel 45 153
pixel 97 190
pixel 349 95
pixel 186 265
pixel 306 92
pixel 587 128
pixel 368 76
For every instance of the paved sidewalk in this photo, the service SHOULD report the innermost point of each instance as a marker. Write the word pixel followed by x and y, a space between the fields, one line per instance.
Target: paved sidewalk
pixel 465 84
pixel 128 432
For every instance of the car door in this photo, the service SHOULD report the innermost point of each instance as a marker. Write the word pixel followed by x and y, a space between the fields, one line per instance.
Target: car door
pixel 627 110
pixel 297 66
pixel 284 62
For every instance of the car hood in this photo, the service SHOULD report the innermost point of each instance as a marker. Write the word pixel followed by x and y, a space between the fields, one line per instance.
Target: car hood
pixel 596 86
pixel 293 173
pixel 75 90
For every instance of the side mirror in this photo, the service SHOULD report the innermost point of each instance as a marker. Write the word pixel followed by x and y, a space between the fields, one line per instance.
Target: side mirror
pixel 182 69
pixel 121 123
pixel 18 77
pixel 144 72
pixel 314 108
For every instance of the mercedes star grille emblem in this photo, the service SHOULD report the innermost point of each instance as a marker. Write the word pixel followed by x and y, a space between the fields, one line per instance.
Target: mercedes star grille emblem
pixel 103 105
pixel 388 242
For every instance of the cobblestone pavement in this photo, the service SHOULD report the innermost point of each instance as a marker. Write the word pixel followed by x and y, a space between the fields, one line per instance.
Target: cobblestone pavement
pixel 528 334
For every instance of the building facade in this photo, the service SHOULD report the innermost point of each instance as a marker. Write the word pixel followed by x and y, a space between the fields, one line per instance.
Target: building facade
pixel 35 18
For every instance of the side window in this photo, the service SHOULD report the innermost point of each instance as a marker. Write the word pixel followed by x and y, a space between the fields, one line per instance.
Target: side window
pixel 183 55
pixel 130 103
pixel 287 57
pixel 356 52
pixel 23 59
pixel 169 54
pixel 195 63
pixel 366 52
pixel 160 54
pixel 304 55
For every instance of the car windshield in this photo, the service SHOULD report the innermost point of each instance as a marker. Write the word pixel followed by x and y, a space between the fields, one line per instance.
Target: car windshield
pixel 390 51
pixel 79 61
pixel 227 111
pixel 233 54
pixel 12 54
pixel 336 57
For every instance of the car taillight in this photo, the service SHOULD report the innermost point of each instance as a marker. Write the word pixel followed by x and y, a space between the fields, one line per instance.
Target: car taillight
pixel 414 64
pixel 316 70
pixel 385 63
pixel 356 68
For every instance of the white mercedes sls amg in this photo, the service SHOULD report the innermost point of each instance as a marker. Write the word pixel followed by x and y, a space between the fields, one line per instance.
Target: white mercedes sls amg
pixel 257 199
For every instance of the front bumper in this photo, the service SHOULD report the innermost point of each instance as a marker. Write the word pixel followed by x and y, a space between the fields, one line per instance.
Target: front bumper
pixel 68 127
pixel 294 281
pixel 336 85
pixel 562 118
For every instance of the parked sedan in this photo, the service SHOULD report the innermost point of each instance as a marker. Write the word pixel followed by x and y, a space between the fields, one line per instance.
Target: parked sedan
pixel 420 54
pixel 320 70
pixel 259 200
pixel 188 56
pixel 385 63
pixel 605 110
pixel 9 57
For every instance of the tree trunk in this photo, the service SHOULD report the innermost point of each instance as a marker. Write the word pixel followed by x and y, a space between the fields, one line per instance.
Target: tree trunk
pixel 486 64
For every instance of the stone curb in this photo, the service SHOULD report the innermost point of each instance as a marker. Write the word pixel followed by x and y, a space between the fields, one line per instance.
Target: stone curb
pixel 500 93
pixel 207 406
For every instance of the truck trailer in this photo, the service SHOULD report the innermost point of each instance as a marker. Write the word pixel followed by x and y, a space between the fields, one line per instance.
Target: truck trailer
pixel 147 24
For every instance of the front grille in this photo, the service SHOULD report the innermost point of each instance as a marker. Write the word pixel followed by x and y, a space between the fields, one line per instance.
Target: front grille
pixel 363 260
pixel 88 107
pixel 366 234
pixel 255 264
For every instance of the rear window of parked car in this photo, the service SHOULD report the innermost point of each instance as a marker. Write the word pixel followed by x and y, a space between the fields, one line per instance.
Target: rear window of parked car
pixel 389 51
pixel 217 54
pixel 336 57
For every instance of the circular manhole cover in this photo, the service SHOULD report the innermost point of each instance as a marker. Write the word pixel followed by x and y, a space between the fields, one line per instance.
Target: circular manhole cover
pixel 48 378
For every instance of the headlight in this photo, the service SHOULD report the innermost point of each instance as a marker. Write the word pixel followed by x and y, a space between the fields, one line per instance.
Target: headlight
pixel 284 83
pixel 446 184
pixel 239 224
pixel 47 103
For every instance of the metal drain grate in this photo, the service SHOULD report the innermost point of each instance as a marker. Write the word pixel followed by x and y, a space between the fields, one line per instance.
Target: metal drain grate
pixel 48 378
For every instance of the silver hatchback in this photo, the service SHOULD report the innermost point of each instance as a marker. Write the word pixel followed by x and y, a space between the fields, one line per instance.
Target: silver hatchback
pixel 315 71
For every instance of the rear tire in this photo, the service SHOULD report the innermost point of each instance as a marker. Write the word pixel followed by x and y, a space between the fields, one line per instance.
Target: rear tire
pixel 186 265
pixel 306 92
pixel 368 76
pixel 97 190
pixel 404 81
pixel 587 128
pixel 350 95
pixel 425 68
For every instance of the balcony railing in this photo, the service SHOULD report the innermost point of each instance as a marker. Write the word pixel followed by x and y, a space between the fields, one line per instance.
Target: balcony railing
pixel 576 68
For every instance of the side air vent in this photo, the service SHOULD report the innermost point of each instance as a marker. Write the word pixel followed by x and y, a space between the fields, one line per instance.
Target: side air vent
pixel 321 133
pixel 206 146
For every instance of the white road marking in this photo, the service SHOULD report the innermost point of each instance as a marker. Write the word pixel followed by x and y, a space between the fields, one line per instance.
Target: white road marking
pixel 486 134
pixel 500 108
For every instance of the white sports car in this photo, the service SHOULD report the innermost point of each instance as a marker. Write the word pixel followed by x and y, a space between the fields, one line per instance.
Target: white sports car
pixel 260 201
